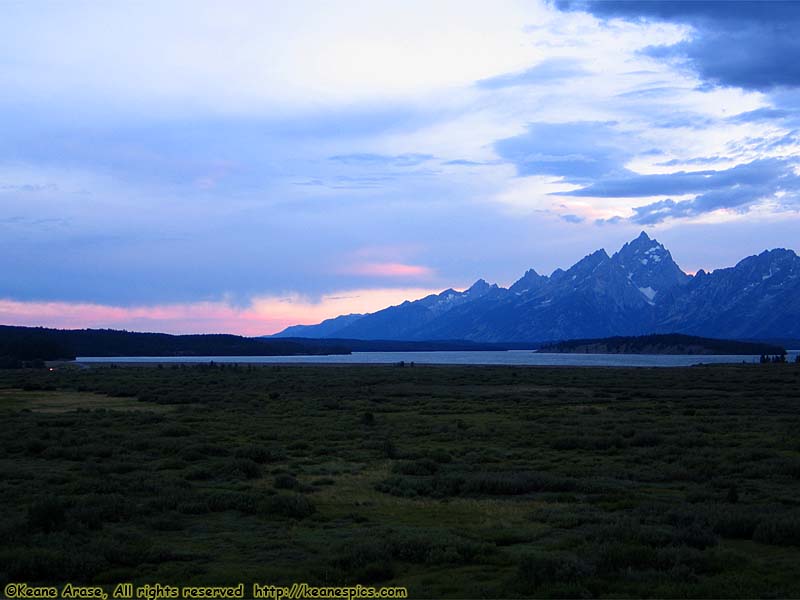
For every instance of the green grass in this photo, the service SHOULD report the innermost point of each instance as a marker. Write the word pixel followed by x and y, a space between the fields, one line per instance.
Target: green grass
pixel 453 481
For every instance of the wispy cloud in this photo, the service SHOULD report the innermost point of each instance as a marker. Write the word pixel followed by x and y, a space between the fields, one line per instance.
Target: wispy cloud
pixel 779 172
pixel 397 160
pixel 546 72
pixel 389 269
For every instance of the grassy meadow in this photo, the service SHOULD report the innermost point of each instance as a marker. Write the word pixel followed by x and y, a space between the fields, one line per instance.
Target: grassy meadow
pixel 461 482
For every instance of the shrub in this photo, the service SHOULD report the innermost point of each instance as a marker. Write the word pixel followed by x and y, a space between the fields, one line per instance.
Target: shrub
pixel 244 502
pixel 738 522
pixel 294 506
pixel 535 570
pixel 440 456
pixel 389 449
pixel 683 560
pixel 423 548
pixel 424 466
pixel 259 454
pixel 200 474
pixel 109 508
pixel 193 507
pixel 646 439
pixel 513 483
pixel 242 468
pixel 286 482
pixel 35 564
pixel 696 535
pixel 353 556
pixel 175 431
pixel 620 556
pixel 408 487
pixel 593 443
pixel 46 515
pixel 783 530
pixel 34 447
pixel 376 571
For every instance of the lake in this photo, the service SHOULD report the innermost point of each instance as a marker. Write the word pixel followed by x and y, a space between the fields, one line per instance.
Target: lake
pixel 510 357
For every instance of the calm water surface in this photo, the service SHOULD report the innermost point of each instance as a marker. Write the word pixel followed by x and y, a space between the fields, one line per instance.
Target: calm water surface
pixel 511 357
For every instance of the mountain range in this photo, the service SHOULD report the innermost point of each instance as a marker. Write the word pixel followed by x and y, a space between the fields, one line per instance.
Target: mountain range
pixel 639 290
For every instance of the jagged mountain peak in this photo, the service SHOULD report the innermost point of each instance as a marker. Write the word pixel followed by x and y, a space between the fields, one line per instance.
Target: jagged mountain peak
pixel 479 287
pixel 642 246
pixel 780 254
pixel 529 282
pixel 593 259
pixel 649 266
pixel 778 262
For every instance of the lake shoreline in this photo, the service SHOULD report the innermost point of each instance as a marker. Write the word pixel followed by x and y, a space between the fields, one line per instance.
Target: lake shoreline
pixel 441 358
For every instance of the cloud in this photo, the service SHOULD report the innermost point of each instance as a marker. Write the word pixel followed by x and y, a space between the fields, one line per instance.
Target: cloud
pixel 762 114
pixel 610 221
pixel 699 160
pixel 461 162
pixel 774 172
pixel 749 44
pixel 737 198
pixel 367 159
pixel 389 269
pixel 260 58
pixel 546 72
pixel 29 187
pixel 578 151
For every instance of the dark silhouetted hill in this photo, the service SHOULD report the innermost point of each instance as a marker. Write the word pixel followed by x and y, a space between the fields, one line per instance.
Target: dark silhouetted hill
pixel 39 343
pixel 661 344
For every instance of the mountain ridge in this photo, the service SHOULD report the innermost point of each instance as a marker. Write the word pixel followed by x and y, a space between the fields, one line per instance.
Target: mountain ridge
pixel 637 290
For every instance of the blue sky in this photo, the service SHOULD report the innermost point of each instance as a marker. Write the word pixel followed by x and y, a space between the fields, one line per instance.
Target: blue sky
pixel 191 166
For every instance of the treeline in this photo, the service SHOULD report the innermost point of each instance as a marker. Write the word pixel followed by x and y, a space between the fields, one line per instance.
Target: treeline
pixel 777 358
pixel 19 345
pixel 671 343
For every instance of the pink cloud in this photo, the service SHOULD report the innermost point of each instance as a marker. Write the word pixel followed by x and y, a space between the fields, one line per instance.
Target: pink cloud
pixel 264 315
pixel 389 269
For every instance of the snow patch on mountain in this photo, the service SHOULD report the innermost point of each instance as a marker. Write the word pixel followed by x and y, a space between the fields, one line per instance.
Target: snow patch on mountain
pixel 649 293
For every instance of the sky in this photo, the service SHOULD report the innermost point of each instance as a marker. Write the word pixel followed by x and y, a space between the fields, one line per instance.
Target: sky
pixel 198 167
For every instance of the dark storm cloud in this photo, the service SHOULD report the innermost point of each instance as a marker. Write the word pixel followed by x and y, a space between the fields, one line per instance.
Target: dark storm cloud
pixel 747 44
